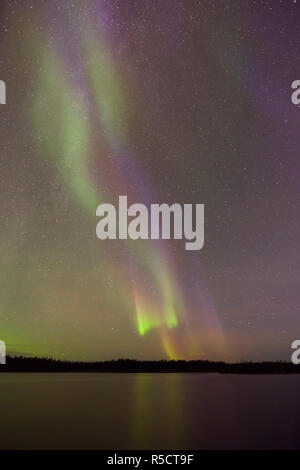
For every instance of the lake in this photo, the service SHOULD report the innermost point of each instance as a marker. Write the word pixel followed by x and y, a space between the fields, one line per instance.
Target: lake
pixel 149 411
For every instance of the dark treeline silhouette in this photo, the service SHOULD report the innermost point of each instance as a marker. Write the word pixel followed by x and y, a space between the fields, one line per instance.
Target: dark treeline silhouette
pixel 35 364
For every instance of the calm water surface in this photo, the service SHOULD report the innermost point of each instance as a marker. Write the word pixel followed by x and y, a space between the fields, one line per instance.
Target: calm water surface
pixel 149 411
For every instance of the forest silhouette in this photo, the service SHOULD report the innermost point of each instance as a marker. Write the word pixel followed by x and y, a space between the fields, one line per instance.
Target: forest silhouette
pixel 36 364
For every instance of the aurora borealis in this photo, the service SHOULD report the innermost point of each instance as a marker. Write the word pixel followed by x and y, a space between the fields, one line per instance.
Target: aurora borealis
pixel 163 101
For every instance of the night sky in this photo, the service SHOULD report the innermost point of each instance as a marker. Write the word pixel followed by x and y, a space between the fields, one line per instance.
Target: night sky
pixel 164 101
